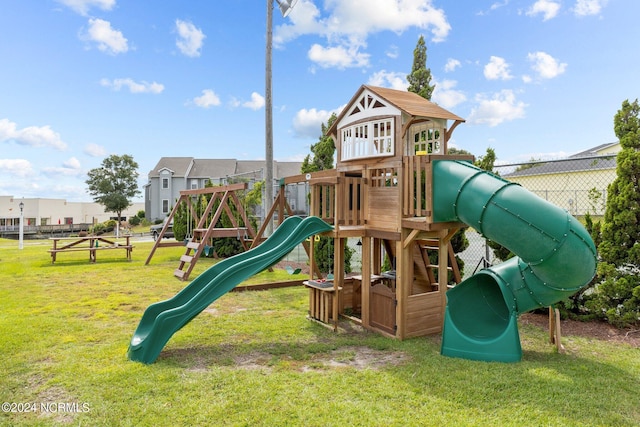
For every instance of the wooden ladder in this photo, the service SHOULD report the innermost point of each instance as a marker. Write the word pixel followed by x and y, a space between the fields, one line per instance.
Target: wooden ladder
pixel 427 246
pixel 193 249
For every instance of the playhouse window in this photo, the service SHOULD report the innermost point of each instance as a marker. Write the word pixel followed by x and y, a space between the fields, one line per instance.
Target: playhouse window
pixel 427 139
pixel 369 139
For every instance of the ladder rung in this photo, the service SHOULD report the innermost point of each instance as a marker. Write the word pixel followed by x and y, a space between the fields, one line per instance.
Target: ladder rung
pixel 193 245
pixel 178 273
pixel 199 230
pixel 436 266
pixel 186 258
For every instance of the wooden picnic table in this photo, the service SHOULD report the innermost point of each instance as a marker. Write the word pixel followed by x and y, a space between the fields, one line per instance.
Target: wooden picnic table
pixel 92 244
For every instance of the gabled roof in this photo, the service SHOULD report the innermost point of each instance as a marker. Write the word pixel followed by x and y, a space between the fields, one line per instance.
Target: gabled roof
pixel 412 103
pixel 407 102
pixel 587 160
pixel 178 165
pixel 219 168
pixel 209 168
pixel 597 150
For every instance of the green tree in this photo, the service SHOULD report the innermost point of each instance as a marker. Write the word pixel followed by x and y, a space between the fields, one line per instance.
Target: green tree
pixel 114 183
pixel 420 77
pixel 487 161
pixel 323 151
pixel 617 293
pixel 620 230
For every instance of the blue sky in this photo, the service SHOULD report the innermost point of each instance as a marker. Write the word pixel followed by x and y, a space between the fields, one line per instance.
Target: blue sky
pixel 83 79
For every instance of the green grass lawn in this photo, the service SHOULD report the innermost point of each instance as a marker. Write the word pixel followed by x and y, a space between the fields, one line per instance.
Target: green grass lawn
pixel 253 359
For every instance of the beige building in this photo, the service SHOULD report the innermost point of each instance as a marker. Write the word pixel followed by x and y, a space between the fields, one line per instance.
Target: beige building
pixel 578 183
pixel 41 212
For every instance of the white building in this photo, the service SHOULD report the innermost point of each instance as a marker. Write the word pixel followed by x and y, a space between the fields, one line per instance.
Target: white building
pixel 41 212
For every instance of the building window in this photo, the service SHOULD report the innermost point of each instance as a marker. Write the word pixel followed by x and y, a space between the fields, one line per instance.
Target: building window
pixel 427 139
pixel 165 206
pixel 370 139
pixel 165 183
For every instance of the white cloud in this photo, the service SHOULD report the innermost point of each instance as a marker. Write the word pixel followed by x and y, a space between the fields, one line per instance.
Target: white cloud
pixel 108 40
pixel 71 163
pixel 208 99
pixel 446 95
pixel 133 86
pixel 451 65
pixel 82 6
pixel 33 136
pixel 308 123
pixel 257 102
pixel 501 107
pixel 392 52
pixel 190 38
pixel 70 167
pixel 589 7
pixel 95 150
pixel 347 24
pixel 546 65
pixel 549 9
pixel 393 80
pixel 497 69
pixel 494 6
pixel 16 167
pixel 340 57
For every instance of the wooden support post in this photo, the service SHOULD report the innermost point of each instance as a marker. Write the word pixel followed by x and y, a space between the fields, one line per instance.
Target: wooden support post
pixel 555 333
pixel 367 268
pixel 404 283
pixel 443 272
pixel 338 276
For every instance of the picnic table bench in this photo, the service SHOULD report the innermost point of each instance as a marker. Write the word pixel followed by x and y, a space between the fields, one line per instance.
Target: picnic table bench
pixel 92 244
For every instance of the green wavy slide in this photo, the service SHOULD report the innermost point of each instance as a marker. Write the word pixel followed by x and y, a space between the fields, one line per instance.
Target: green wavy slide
pixel 556 258
pixel 163 319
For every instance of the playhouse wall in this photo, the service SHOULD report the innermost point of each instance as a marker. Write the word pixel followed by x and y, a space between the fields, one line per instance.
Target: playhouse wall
pixel 384 205
pixel 424 315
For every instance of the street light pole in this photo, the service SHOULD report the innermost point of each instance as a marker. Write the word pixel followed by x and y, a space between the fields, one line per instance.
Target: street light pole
pixel 268 121
pixel 285 9
pixel 21 236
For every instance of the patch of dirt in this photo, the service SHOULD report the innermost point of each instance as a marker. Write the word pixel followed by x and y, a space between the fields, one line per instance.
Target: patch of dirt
pixel 303 266
pixel 359 358
pixel 599 330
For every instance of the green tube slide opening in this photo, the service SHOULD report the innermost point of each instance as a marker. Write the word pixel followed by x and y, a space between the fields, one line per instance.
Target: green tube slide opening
pixel 490 315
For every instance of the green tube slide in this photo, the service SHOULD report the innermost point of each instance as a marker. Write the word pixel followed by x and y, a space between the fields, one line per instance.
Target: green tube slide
pixel 163 319
pixel 555 258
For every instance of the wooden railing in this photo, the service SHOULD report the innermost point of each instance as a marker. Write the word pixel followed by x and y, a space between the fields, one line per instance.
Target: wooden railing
pixel 346 207
pixel 417 197
pixel 418 183
pixel 352 206
pixel 323 201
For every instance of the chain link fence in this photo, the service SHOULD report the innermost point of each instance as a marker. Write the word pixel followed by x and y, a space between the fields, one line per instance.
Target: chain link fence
pixel 577 184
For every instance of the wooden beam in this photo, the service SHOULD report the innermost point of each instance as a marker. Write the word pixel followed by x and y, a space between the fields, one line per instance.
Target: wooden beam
pixel 410 238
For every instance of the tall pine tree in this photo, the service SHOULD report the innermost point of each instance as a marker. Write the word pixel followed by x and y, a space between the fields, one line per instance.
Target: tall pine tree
pixel 617 295
pixel 420 77
pixel 621 229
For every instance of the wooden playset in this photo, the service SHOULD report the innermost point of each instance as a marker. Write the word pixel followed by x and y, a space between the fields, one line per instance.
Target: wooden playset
pixel 199 238
pixel 403 197
pixel 380 193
